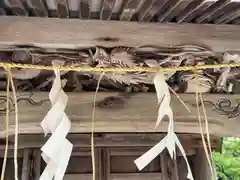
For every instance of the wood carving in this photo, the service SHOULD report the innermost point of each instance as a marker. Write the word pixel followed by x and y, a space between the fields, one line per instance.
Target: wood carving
pixel 138 114
pixel 23 97
pixel 223 80
pixel 224 107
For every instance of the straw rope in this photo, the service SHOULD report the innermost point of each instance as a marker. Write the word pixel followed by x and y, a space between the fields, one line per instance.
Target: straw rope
pixel 206 147
pixel 117 70
pixel 6 131
pixel 93 125
pixel 8 67
pixel 10 82
pixel 9 74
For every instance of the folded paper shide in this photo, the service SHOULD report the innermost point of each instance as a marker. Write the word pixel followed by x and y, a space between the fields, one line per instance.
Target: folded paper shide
pixel 57 150
pixel 169 142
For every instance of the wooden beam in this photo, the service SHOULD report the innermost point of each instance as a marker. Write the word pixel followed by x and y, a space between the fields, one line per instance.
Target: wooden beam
pixel 132 116
pixel 73 33
pixel 135 176
pixel 132 140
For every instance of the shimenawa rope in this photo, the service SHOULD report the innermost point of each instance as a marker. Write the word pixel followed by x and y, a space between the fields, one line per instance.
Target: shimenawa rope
pixel 8 66
pixel 116 69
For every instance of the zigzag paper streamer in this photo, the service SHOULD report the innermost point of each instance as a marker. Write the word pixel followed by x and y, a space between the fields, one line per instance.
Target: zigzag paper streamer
pixel 171 140
pixel 57 150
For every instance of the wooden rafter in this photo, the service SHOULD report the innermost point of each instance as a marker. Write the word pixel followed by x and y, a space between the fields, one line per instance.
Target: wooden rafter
pixel 84 33
pixel 178 11
pixel 137 114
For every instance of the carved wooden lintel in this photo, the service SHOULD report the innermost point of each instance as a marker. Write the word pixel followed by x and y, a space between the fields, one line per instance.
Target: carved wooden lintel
pixel 138 114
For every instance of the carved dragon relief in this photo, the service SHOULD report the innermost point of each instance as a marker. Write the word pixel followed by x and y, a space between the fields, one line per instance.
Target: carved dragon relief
pixel 27 97
pixel 224 80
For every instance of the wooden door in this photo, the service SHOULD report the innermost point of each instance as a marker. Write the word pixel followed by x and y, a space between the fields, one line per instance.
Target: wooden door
pixel 114 158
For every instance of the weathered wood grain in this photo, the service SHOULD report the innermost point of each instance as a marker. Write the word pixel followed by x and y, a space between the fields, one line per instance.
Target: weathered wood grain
pixel 146 6
pixel 136 176
pixel 134 116
pixel 207 15
pixel 62 6
pixel 237 21
pixel 201 167
pixel 131 7
pixel 38 7
pixel 37 164
pixel 17 6
pixel 194 9
pixel 137 151
pixel 77 176
pixel 175 8
pixel 74 7
pixel 164 163
pixel 26 164
pixel 74 33
pixel 2 12
pixel 182 167
pixel 228 17
pixel 125 141
pixel 224 11
pixel 52 8
pixel 148 11
pixel 84 9
pixel 106 9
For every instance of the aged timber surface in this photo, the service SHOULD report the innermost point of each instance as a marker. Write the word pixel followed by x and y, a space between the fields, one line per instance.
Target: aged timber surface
pixel 70 33
pixel 138 114
pixel 113 140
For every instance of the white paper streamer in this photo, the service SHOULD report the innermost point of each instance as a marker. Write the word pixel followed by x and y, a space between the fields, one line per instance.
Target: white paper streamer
pixel 171 139
pixel 57 150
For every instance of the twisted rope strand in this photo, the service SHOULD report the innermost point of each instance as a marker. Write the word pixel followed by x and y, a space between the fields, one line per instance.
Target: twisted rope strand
pixel 117 70
pixel 8 69
pixel 6 130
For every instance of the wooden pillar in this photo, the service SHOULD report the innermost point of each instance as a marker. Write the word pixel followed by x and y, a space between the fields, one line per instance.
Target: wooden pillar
pixel 9 171
pixel 26 164
pixel 182 168
pixel 201 167
pixel 168 167
pixel 37 164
